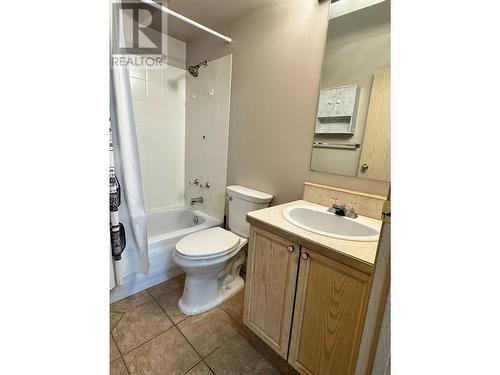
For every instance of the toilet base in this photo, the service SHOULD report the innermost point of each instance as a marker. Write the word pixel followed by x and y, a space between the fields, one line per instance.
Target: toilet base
pixel 225 291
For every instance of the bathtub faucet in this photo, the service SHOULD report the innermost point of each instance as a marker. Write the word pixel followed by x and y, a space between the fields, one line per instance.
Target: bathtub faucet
pixel 196 200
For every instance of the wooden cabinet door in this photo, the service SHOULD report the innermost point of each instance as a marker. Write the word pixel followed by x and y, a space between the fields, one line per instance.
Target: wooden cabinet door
pixel 330 308
pixel 270 288
pixel 375 160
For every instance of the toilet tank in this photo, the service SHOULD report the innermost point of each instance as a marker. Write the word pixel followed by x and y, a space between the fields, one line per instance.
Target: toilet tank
pixel 243 200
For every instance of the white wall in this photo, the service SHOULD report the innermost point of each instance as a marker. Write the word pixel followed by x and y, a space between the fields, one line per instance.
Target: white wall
pixel 207 129
pixel 159 108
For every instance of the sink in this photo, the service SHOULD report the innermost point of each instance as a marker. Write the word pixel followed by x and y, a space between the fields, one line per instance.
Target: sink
pixel 318 220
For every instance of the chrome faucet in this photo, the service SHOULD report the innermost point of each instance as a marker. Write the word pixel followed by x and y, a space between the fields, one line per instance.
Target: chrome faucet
pixel 339 208
pixel 197 200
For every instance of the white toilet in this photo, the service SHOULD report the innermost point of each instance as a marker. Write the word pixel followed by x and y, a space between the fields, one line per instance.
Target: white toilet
pixel 211 258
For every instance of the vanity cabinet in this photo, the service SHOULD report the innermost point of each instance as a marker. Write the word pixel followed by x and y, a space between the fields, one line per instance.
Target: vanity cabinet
pixel 270 288
pixel 326 298
pixel 329 314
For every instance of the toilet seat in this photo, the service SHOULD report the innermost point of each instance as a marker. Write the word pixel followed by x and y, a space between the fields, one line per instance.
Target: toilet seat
pixel 207 244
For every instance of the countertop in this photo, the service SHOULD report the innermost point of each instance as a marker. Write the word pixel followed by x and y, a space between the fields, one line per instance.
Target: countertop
pixel 354 253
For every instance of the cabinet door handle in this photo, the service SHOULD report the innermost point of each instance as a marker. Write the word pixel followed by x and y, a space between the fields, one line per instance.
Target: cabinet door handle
pixel 304 256
pixel 290 248
pixel 364 168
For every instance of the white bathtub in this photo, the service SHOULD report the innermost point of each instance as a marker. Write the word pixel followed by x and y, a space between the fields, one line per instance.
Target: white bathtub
pixel 165 228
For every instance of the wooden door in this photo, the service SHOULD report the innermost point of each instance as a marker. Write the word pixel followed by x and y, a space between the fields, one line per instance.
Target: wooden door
pixel 330 309
pixel 375 160
pixel 270 288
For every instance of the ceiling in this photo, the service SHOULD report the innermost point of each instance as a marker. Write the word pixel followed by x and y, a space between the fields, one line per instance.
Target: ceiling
pixel 207 12
pixel 372 17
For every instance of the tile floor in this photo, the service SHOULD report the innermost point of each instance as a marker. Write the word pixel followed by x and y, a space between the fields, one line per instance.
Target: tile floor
pixel 149 335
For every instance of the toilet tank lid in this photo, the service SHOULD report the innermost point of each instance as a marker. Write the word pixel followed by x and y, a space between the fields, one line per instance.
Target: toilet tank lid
pixel 248 194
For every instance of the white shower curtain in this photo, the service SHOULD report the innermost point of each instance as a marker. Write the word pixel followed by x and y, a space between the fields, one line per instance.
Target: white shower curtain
pixel 125 156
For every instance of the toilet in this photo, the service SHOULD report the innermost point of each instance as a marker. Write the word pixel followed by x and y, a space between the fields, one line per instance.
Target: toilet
pixel 212 259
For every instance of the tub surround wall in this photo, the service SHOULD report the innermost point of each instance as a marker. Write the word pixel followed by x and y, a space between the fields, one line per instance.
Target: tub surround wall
pixel 277 58
pixel 159 109
pixel 207 127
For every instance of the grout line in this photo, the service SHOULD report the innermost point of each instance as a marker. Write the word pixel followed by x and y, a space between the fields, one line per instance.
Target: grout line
pixel 240 331
pixel 124 312
pixel 150 293
pixel 119 320
pixel 119 351
pixel 168 291
pixel 206 364
pixel 202 359
pixel 226 340
pixel 161 307
pixel 189 342
pixel 189 369
pixel 145 342
pixel 125 364
pixel 175 325
pixel 147 290
pixel 170 320
pixel 112 338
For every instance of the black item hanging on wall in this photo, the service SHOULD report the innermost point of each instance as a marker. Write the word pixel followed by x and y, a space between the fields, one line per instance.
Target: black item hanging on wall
pixel 114 192
pixel 117 230
pixel 118 241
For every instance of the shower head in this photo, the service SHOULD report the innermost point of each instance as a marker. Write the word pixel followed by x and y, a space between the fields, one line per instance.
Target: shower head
pixel 193 69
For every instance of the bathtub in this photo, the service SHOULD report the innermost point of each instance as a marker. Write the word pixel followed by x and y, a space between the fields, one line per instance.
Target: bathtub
pixel 165 228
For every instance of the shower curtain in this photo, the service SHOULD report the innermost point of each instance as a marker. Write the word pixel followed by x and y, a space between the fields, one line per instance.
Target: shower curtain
pixel 128 227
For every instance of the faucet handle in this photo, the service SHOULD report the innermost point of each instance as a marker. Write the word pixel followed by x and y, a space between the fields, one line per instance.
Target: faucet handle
pixel 195 181
pixel 353 207
pixel 337 202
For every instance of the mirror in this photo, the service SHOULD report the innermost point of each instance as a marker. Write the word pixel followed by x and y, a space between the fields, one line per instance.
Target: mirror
pixel 352 126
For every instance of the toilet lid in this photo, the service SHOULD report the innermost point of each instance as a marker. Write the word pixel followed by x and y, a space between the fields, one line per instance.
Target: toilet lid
pixel 208 242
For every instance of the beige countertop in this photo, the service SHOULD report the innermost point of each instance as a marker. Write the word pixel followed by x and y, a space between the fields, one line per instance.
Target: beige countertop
pixel 356 253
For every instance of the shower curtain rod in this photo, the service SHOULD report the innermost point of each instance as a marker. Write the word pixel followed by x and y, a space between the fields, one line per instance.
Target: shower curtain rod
pixel 185 19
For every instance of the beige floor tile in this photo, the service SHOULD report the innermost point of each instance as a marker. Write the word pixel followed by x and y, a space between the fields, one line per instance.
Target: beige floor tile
pixel 131 302
pixel 237 356
pixel 117 367
pixel 114 353
pixel 234 306
pixel 114 318
pixel 168 302
pixel 200 369
pixel 167 286
pixel 139 325
pixel 207 331
pixel 168 353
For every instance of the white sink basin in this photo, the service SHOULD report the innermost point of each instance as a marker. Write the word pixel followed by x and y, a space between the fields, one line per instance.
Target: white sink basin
pixel 318 220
